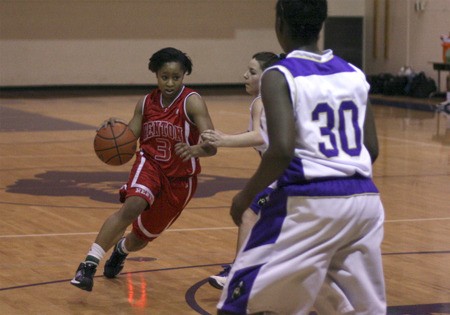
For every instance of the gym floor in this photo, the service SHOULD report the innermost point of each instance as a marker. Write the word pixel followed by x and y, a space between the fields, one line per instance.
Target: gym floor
pixel 55 194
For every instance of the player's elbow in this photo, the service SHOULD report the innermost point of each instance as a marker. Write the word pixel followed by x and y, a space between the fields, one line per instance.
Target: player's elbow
pixel 371 143
pixel 373 154
pixel 282 155
pixel 259 141
pixel 285 158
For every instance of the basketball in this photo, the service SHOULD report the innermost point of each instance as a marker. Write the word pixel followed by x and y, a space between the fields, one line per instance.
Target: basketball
pixel 115 144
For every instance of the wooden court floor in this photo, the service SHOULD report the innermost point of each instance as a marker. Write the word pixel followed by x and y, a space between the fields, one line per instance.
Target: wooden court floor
pixel 55 194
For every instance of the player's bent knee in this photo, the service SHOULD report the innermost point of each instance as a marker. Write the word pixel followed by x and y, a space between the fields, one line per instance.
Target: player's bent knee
pixel 135 243
pixel 132 208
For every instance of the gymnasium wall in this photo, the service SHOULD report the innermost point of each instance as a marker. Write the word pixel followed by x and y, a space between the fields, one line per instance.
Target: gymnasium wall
pixel 409 38
pixel 53 42
pixel 103 42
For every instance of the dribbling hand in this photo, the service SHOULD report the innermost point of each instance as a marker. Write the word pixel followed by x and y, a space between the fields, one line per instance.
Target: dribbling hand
pixel 110 121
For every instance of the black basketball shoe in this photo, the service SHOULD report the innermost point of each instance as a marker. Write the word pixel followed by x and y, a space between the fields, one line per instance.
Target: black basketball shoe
pixel 84 277
pixel 114 264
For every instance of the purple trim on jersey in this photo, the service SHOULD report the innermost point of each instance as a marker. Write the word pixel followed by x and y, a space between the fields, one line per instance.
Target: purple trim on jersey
pixel 294 182
pixel 260 200
pixel 333 187
pixel 293 173
pixel 301 67
pixel 239 288
pixel 268 227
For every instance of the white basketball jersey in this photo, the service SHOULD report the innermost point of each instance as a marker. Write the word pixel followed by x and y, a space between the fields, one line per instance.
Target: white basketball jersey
pixel 263 127
pixel 329 96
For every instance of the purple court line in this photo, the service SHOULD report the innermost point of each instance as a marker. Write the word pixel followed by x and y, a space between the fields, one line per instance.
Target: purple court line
pixel 97 207
pixel 418 253
pixel 420 309
pixel 426 309
pixel 190 297
pixel 100 276
pixel 53 206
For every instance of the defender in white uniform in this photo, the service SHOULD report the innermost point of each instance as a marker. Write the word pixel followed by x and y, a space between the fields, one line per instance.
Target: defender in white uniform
pixel 319 234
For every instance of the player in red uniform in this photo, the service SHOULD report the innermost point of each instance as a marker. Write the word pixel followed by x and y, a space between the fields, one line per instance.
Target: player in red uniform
pixel 168 123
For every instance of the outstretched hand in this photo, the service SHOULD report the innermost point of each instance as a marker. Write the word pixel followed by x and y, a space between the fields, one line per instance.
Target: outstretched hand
pixel 186 151
pixel 214 137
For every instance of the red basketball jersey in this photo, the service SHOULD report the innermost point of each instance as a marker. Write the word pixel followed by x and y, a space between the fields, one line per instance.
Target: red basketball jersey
pixel 163 127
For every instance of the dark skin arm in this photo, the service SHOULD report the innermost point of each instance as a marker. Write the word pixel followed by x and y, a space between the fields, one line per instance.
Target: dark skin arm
pixel 370 133
pixel 198 113
pixel 135 124
pixel 281 131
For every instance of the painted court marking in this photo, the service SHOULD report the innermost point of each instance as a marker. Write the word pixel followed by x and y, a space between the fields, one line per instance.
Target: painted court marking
pixel 94 233
pixel 194 229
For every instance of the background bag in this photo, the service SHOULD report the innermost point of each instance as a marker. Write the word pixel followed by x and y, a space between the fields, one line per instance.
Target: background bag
pixel 395 85
pixel 421 86
pixel 377 82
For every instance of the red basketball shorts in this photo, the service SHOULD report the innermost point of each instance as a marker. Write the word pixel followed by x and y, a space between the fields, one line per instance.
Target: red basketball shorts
pixel 167 197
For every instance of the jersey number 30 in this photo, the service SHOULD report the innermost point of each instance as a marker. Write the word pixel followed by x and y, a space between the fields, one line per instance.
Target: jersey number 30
pixel 343 124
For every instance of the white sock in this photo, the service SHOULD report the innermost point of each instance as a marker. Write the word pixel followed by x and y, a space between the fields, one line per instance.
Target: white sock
pixel 95 254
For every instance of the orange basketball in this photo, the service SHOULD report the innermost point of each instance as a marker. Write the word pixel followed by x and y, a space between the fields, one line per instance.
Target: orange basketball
pixel 115 145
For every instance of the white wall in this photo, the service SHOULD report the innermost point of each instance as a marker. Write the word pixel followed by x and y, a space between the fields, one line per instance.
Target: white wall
pixel 413 37
pixel 82 42
pixel 54 42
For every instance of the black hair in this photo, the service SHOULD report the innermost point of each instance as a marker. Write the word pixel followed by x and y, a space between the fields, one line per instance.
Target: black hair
pixel 304 17
pixel 266 59
pixel 169 54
